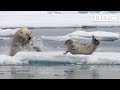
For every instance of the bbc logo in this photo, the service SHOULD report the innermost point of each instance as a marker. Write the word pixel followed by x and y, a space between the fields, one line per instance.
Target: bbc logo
pixel 104 18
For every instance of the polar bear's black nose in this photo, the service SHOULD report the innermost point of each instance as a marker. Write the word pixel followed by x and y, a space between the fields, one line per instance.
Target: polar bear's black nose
pixel 29 38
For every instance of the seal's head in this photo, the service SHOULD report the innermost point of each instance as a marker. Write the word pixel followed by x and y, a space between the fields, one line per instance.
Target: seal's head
pixel 69 42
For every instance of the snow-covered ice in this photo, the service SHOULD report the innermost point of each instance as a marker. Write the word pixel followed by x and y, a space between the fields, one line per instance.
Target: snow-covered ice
pixel 8 32
pixel 57 56
pixel 103 35
pixel 95 58
pixel 8 60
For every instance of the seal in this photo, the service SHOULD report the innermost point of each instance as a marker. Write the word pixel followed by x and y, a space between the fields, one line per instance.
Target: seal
pixel 81 48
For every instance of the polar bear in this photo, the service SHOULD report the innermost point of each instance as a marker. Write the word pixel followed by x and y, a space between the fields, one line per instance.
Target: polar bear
pixel 22 38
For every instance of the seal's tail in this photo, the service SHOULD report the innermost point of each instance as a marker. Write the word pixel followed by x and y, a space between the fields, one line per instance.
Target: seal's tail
pixel 94 40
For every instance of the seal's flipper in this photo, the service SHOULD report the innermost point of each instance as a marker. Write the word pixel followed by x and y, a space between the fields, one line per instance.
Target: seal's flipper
pixel 93 37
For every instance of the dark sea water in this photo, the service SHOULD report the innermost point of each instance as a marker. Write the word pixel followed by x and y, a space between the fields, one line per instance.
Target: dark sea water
pixel 61 71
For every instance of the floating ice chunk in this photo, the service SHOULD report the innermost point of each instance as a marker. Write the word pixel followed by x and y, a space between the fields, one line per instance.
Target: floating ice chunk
pixel 8 60
pixel 101 35
pixel 57 56
pixel 8 32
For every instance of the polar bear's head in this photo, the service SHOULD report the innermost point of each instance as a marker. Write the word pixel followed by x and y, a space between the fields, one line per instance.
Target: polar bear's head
pixel 24 33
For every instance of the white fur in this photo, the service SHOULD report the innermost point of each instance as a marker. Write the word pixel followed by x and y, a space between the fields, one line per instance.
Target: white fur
pixel 21 38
